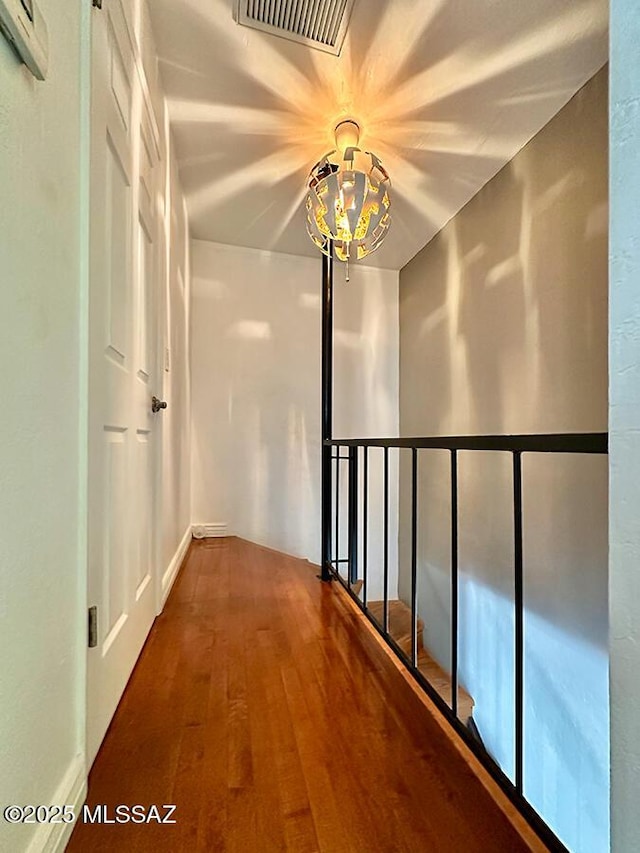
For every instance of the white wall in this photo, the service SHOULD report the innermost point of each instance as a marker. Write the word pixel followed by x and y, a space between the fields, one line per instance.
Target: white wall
pixel 503 329
pixel 256 397
pixel 42 351
pixel 624 425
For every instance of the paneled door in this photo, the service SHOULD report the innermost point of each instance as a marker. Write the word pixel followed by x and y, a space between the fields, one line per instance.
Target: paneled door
pixel 123 330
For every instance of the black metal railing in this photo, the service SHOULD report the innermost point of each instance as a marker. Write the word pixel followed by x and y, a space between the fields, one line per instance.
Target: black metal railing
pixel 341 452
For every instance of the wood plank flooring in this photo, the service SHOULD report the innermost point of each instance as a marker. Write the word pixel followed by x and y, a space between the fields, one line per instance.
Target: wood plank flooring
pixel 262 708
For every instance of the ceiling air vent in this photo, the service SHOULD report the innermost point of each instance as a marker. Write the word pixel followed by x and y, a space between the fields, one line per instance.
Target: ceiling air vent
pixel 317 23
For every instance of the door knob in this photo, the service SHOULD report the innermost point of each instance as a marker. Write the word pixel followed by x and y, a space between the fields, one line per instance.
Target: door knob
pixel 157 404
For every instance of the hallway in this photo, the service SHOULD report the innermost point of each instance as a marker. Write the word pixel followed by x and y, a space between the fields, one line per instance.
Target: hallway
pixel 266 712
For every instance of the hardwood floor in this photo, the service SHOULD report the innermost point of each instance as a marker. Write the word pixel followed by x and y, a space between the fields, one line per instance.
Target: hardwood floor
pixel 270 717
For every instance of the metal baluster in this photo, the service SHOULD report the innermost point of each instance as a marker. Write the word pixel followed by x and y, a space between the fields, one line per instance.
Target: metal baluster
pixel 519 617
pixel 352 574
pixel 337 557
pixel 414 555
pixel 454 582
pixel 385 614
pixel 365 522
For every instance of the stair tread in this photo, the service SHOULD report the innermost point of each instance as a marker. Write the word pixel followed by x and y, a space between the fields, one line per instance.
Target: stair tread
pixel 399 619
pixel 441 682
pixel 400 630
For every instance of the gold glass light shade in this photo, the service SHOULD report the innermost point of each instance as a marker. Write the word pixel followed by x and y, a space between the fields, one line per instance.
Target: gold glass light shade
pixel 348 200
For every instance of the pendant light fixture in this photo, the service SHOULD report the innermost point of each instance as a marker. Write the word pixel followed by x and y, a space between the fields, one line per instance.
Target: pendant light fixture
pixel 348 200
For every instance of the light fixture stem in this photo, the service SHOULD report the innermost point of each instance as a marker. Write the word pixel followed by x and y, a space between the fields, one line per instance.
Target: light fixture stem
pixel 347 135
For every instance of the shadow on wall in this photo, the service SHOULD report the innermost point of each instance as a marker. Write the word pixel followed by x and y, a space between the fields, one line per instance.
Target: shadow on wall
pixel 256 386
pixel 503 321
pixel 427 347
pixel 565 582
pixel 504 314
pixel 256 373
pixel 566 671
pixel 566 746
pixel 365 353
pixel 532 303
pixel 490 282
pixel 507 306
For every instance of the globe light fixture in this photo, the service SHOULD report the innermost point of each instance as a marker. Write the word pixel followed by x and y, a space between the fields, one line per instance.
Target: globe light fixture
pixel 348 200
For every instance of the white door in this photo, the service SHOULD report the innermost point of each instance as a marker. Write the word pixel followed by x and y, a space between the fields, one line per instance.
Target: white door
pixel 123 457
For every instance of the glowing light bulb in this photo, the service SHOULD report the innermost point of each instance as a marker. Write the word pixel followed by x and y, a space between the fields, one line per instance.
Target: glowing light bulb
pixel 348 200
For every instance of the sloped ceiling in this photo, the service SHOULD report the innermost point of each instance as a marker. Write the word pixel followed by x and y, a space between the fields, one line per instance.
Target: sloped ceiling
pixel 446 92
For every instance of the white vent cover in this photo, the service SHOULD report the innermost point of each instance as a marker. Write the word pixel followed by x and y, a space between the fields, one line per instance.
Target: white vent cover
pixel 209 531
pixel 317 23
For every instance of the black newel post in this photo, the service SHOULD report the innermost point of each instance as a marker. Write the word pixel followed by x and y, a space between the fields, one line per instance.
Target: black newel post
pixel 327 409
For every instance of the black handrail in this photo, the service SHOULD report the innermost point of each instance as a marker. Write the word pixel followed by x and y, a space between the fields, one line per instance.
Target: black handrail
pixel 578 442
pixel 516 445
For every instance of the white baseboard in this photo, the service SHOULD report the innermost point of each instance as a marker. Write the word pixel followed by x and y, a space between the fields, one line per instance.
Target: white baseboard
pixel 172 570
pixel 210 531
pixel 72 791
